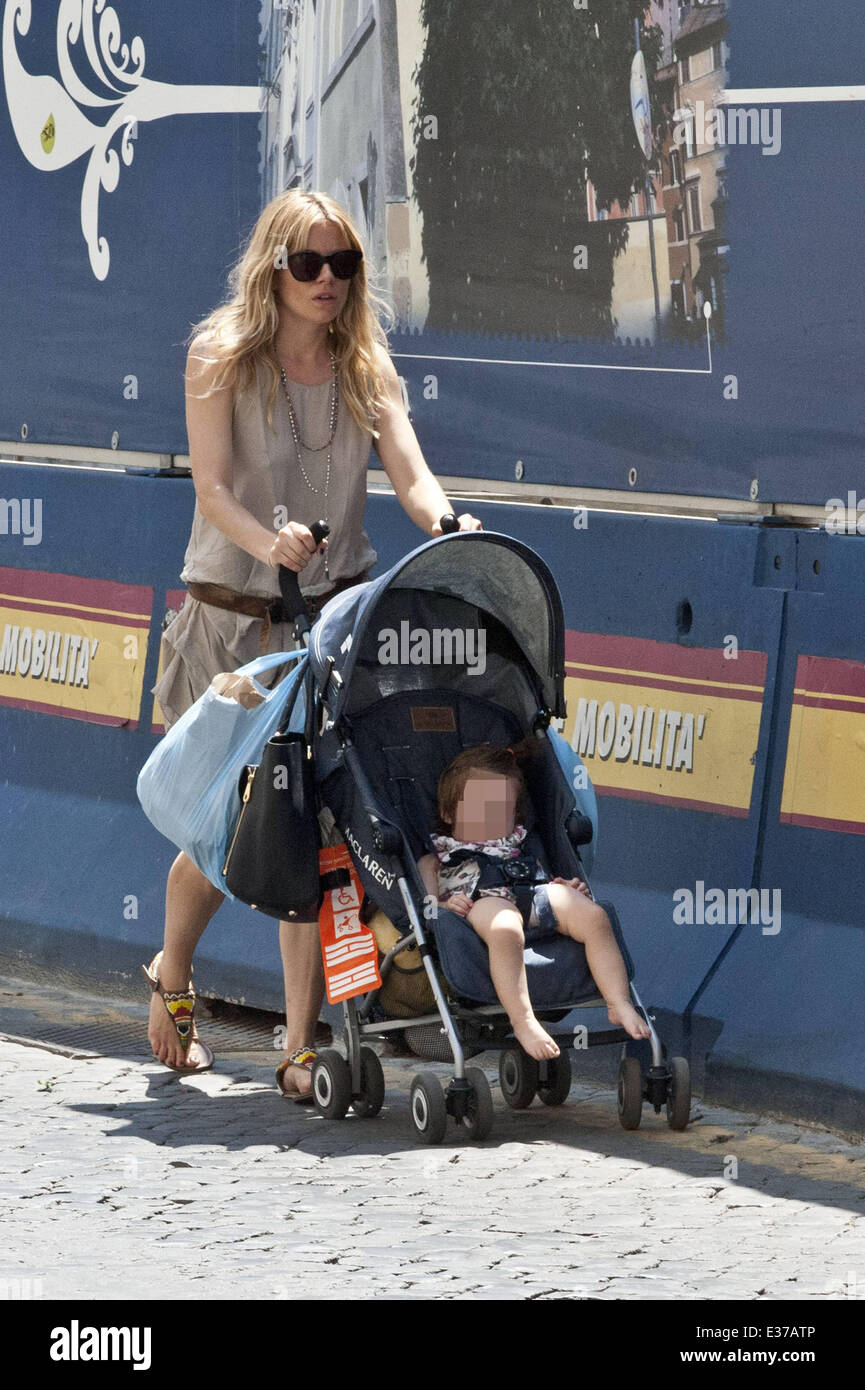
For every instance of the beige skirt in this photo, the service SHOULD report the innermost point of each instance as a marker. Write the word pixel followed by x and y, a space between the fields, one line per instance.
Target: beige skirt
pixel 203 640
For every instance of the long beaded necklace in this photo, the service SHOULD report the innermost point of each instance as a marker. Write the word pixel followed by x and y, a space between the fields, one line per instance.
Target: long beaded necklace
pixel 316 448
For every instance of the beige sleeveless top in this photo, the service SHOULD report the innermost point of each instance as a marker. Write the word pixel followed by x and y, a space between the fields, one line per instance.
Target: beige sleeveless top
pixel 201 639
pixel 270 484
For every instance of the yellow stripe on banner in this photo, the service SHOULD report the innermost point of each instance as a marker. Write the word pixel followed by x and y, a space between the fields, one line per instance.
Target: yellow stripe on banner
pixel 52 603
pixel 824 774
pixel 662 676
pixel 704 751
pixel 70 663
pixel 828 695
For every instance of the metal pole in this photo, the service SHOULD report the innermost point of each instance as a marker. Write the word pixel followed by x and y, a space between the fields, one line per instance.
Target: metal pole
pixel 647 191
pixel 652 254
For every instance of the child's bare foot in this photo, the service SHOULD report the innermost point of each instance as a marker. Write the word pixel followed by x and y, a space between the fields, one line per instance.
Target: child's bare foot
pixel 624 1015
pixel 534 1040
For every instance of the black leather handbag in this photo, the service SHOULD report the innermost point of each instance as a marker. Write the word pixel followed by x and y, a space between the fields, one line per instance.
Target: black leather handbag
pixel 272 861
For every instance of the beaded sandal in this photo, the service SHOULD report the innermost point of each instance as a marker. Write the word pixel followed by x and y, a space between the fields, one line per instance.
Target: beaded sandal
pixel 302 1057
pixel 181 1006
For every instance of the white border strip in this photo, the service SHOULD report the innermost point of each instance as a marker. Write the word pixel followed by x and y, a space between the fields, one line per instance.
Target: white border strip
pixel 773 96
pixel 574 366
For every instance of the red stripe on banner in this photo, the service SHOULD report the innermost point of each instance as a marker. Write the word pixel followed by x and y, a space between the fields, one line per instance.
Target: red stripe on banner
pixel 836 675
pixel 73 588
pixel 685 687
pixel 665 659
pixel 845 827
pixel 83 614
pixel 829 702
pixel 39 707
pixel 629 794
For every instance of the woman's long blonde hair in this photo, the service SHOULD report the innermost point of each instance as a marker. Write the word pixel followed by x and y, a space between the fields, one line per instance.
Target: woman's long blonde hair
pixel 241 333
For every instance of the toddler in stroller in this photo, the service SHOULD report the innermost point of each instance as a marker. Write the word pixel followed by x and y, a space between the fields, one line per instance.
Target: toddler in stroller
pixel 480 797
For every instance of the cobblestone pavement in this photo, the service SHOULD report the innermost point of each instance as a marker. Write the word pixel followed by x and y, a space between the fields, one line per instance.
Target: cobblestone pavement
pixel 122 1180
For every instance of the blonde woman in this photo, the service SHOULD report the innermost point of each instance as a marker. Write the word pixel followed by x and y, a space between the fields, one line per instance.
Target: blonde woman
pixel 287 385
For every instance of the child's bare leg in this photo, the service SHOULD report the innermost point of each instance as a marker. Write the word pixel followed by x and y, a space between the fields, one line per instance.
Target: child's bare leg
pixel 500 926
pixel 577 916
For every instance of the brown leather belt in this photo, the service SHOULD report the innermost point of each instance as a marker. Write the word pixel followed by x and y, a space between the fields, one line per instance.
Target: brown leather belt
pixel 269 610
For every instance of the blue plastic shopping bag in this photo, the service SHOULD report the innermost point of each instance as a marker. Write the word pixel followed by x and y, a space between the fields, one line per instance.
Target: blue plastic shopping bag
pixel 189 784
pixel 584 793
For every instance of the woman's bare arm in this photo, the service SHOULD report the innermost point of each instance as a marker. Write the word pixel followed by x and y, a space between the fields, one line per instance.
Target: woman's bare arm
pixel 417 489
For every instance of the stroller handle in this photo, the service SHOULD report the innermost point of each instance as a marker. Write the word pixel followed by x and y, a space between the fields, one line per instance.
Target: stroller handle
pixel 293 603
pixel 292 599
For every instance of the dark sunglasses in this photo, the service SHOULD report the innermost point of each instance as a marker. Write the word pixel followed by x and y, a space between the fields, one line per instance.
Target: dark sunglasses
pixel 306 265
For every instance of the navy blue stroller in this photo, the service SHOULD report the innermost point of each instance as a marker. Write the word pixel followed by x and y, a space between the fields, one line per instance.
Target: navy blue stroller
pixel 384 731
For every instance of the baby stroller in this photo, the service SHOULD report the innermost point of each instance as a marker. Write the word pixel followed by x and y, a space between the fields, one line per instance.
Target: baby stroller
pixel 385 727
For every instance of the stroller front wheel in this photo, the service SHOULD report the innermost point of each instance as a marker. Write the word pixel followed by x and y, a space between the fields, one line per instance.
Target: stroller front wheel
pixel 428 1108
pixel 679 1093
pixel 477 1121
pixel 371 1098
pixel 630 1093
pixel 331 1084
pixel 518 1077
pixel 555 1088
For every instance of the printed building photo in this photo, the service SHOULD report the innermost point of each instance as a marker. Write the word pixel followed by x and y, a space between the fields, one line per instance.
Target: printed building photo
pixel 490 151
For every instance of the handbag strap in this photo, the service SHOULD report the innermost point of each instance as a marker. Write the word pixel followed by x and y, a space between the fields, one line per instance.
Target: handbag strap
pixel 268 661
pixel 310 707
pixel 291 701
pixel 307 684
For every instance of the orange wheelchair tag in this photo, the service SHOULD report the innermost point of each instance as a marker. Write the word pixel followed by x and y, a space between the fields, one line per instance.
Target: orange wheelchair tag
pixel 348 947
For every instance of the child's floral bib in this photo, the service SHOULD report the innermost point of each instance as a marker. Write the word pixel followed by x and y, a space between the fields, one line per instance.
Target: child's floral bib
pixel 463 877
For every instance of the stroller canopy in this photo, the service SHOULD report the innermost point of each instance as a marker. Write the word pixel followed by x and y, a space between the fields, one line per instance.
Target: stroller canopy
pixel 497 574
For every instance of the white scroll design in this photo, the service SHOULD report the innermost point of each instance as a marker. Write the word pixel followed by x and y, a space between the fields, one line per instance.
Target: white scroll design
pixel 50 126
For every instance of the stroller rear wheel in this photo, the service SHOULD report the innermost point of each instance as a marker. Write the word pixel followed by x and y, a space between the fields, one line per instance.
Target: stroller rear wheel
pixel 518 1077
pixel 371 1098
pixel 331 1084
pixel 428 1108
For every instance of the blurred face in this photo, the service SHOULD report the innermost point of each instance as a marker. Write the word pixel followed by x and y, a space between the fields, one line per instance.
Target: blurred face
pixel 320 300
pixel 487 807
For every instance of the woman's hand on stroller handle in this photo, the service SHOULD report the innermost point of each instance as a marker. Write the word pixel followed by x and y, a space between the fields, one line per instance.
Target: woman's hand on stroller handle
pixel 295 545
pixel 450 523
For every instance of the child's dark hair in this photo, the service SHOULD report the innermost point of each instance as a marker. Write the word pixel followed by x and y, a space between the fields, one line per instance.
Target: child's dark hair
pixel 483 757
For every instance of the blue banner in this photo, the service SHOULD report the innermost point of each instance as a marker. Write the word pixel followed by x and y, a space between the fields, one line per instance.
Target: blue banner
pixel 573 306
pixel 129 160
